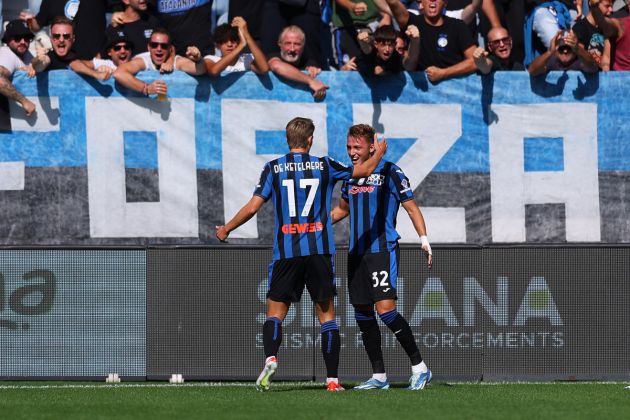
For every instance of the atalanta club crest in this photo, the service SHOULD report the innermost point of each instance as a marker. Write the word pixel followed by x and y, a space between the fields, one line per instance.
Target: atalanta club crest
pixel 442 41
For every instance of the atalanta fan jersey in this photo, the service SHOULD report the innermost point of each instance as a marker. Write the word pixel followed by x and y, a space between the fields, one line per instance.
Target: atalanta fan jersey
pixel 300 186
pixel 374 203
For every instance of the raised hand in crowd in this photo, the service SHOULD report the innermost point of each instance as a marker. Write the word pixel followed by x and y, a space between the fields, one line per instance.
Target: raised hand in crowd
pixel 482 62
pixel 350 65
pixel 412 55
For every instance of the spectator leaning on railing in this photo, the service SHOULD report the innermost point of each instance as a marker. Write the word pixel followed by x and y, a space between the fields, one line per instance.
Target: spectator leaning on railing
pixel 63 55
pixel 381 56
pixel 231 40
pixel 291 60
pixel 14 56
pixel 159 52
pixel 499 54
pixel 446 45
pixel 564 53
pixel 118 50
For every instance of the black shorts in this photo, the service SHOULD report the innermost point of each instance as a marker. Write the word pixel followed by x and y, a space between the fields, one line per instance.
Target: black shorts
pixel 372 277
pixel 287 278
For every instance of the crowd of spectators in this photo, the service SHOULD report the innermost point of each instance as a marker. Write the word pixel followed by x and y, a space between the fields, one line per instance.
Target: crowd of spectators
pixel 297 39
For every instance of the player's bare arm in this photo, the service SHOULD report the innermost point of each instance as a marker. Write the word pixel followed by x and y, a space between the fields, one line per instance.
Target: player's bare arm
pixel 415 214
pixel 248 211
pixel 340 212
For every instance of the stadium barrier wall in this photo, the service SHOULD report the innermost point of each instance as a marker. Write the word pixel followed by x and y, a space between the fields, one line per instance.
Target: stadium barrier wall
pixel 494 159
pixel 482 313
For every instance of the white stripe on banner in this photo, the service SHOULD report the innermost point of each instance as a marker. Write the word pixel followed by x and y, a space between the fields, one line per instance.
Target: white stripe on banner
pixel 45 118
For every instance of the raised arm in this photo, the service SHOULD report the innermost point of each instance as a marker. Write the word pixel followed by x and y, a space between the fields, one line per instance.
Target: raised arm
pixel 410 60
pixel 482 62
pixel 366 168
pixel 469 12
pixel 398 10
pixel 260 64
pixel 242 216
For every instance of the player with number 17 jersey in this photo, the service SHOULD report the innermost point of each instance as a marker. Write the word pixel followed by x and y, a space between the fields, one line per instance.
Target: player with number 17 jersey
pixel 300 186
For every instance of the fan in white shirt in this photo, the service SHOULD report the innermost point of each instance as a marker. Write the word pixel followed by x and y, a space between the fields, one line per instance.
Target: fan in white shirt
pixel 231 40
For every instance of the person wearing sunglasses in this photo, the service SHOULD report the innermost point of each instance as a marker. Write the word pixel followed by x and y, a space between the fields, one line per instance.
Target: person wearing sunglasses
pixel 63 56
pixel 118 50
pixel 499 53
pixel 565 53
pixel 160 50
pixel 16 57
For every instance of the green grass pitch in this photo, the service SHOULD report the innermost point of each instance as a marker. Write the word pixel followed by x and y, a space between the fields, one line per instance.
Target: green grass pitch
pixel 300 400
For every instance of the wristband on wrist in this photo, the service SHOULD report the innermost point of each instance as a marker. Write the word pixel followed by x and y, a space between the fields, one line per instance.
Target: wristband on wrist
pixel 425 241
pixel 145 90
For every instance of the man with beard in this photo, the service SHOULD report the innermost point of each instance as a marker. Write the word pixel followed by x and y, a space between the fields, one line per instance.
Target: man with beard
pixel 565 53
pixel 618 31
pixel 446 45
pixel 499 54
pixel 15 56
pixel 159 51
pixel 291 60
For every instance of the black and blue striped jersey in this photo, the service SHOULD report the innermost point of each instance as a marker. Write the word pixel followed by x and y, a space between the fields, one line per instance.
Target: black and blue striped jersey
pixel 374 202
pixel 301 186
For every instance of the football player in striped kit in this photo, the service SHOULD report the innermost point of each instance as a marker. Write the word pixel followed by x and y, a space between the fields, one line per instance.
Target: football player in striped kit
pixel 372 203
pixel 300 186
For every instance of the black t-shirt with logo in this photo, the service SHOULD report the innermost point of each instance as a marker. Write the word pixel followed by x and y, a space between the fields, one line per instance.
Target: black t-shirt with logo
pixel 592 39
pixel 442 46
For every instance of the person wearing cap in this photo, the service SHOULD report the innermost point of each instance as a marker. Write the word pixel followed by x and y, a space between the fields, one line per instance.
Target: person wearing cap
pixel 159 52
pixel 565 53
pixel 618 31
pixel 14 56
pixel 119 50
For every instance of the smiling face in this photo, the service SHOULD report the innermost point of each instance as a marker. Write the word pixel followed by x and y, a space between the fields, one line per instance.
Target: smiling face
pixel 359 149
pixel 62 36
pixel 159 48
